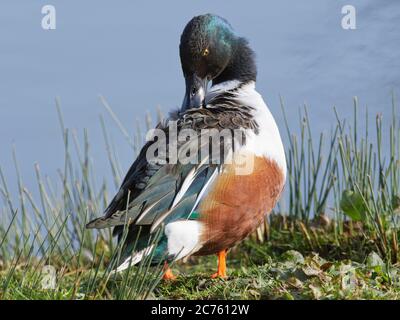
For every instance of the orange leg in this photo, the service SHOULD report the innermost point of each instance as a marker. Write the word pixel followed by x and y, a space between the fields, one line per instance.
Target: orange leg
pixel 168 275
pixel 221 273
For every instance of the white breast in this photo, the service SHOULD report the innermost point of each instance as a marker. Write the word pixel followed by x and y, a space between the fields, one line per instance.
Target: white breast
pixel 267 142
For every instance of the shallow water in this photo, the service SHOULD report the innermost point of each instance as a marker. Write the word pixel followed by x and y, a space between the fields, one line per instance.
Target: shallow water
pixel 128 52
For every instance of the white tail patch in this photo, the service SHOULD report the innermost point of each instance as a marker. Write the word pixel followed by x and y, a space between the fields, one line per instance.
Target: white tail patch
pixel 183 237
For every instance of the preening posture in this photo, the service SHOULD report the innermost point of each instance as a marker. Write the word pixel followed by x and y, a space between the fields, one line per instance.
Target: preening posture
pixel 208 206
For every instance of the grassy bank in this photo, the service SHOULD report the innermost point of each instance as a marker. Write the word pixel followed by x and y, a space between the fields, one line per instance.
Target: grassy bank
pixel 334 235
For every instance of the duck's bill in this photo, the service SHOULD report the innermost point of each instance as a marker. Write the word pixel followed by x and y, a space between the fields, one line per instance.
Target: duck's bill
pixel 196 90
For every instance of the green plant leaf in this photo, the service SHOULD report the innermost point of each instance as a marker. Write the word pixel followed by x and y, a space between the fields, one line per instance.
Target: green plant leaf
pixel 352 204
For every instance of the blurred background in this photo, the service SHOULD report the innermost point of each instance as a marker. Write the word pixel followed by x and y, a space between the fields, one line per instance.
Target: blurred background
pixel 127 51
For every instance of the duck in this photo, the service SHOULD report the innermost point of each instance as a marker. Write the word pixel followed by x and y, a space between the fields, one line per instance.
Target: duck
pixel 203 205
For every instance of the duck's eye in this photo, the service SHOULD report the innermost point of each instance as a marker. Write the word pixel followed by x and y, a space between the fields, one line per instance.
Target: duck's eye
pixel 206 52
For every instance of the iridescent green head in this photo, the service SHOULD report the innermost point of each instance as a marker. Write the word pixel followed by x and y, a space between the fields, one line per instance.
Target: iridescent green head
pixel 210 50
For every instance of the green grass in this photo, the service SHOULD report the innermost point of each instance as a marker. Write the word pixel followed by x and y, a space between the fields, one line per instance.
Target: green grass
pixel 333 236
pixel 296 277
pixel 256 271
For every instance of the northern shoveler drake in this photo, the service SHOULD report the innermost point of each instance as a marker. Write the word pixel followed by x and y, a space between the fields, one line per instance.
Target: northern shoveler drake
pixel 203 207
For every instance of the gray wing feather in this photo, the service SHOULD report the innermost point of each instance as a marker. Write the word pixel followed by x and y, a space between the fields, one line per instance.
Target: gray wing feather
pixel 149 192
